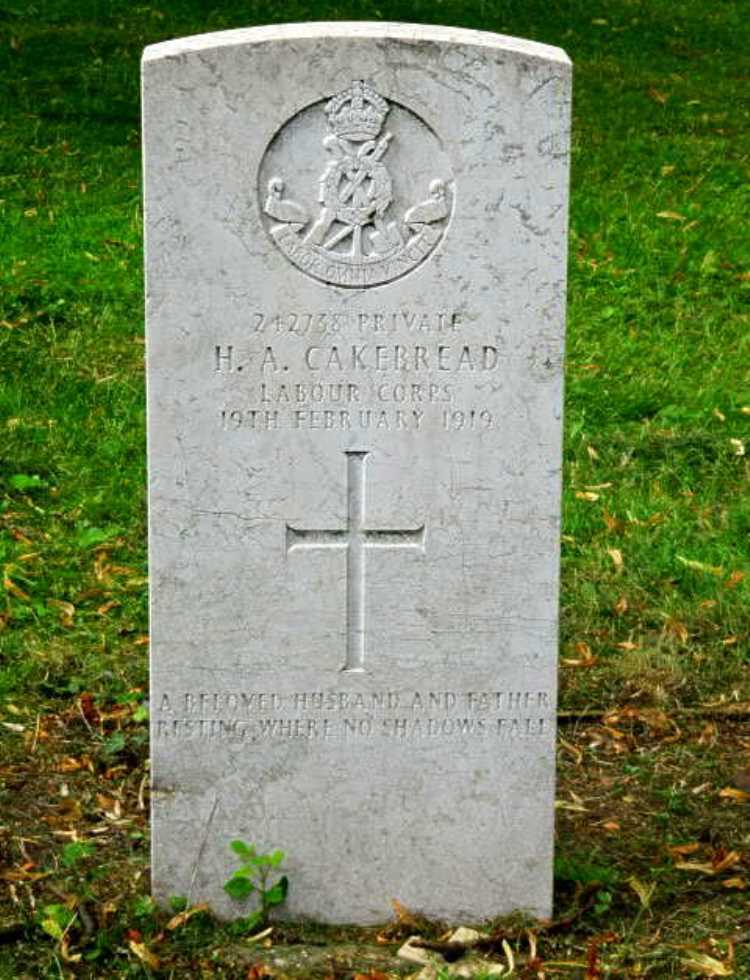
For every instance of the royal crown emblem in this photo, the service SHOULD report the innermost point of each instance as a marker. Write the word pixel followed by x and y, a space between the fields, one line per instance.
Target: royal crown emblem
pixel 364 232
pixel 358 113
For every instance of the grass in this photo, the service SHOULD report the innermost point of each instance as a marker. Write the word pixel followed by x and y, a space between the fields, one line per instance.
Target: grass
pixel 656 579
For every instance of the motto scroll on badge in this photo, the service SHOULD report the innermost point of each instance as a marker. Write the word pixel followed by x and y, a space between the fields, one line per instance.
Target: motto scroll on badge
pixel 365 229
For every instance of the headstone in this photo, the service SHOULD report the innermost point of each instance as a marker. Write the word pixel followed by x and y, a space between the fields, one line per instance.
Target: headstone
pixel 356 251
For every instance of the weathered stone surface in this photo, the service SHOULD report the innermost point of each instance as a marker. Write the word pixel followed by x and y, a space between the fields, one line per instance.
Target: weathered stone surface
pixel 356 244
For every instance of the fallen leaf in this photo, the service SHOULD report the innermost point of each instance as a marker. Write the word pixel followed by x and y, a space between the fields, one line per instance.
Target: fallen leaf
pixel 11 587
pixel 699 566
pixel 257 971
pixel 734 579
pixel 677 629
pixel 182 917
pixel 587 495
pixel 737 795
pixel 621 606
pixel 616 555
pixel 585 656
pixel 682 850
pixel 105 607
pixel 656 96
pixel 144 954
pixel 670 215
pixel 707 966
pixel 738 446
pixel 67 611
pixel 642 890
pixel 737 883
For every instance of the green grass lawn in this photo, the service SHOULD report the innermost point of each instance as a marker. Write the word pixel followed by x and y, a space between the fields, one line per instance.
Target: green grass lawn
pixel 656 570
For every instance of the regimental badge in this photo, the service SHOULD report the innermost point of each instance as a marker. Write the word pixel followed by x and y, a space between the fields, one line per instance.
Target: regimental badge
pixel 384 193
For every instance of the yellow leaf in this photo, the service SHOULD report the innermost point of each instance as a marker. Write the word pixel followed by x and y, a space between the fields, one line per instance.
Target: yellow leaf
pixel 587 495
pixel 621 606
pixel 699 566
pixel 11 587
pixel 144 954
pixel 737 795
pixel 707 966
pixel 670 215
pixel 67 610
pixel 616 555
pixel 642 890
pixel 739 447
pixel 737 883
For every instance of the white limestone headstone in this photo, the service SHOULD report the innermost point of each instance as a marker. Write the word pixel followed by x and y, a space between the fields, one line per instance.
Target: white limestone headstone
pixel 356 251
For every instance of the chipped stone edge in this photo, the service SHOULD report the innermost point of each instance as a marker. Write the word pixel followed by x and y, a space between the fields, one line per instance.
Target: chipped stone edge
pixel 348 30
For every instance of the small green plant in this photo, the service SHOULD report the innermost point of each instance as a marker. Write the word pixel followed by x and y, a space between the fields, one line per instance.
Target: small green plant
pixel 254 877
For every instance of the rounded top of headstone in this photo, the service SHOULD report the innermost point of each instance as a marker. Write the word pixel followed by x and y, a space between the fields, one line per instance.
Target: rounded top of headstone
pixel 341 30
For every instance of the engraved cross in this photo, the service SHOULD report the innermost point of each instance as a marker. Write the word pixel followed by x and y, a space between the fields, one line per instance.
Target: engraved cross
pixel 356 539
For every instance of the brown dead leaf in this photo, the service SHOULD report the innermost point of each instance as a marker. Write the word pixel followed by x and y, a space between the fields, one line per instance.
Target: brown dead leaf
pixel 621 606
pixel 709 734
pixel 734 580
pixel 258 971
pixel 656 96
pixel 106 606
pixel 372 975
pixel 10 586
pixel 682 850
pixel 403 916
pixel 182 917
pixel 677 629
pixel 614 524
pixel 627 645
pixel 144 954
pixel 69 763
pixel 722 861
pixel 585 657
pixel 88 708
pixel 736 795
pixel 740 884
pixel 67 611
